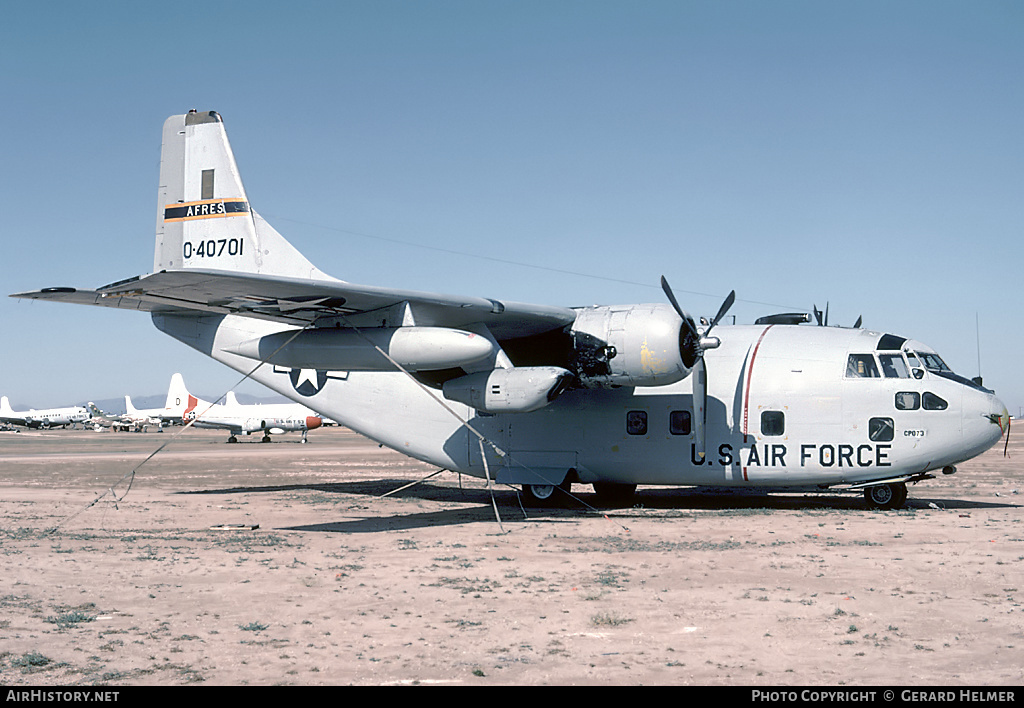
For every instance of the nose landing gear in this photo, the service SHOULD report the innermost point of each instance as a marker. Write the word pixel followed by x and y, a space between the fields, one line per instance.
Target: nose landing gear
pixel 886 496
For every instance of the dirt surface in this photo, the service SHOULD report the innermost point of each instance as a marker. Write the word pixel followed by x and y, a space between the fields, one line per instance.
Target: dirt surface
pixel 338 585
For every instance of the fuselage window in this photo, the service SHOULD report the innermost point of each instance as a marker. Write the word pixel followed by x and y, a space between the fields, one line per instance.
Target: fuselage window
pixel 679 422
pixel 636 422
pixel 861 366
pixel 893 366
pixel 908 400
pixel 933 402
pixel 881 429
pixel 773 423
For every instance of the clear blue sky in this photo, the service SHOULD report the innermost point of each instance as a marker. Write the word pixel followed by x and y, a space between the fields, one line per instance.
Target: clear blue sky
pixel 865 154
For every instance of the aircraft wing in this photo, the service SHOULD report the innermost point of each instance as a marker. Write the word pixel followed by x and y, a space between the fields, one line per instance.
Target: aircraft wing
pixel 218 425
pixel 299 301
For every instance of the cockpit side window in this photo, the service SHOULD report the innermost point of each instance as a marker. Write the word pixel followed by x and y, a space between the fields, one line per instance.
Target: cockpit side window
pixel 894 366
pixel 861 366
pixel 933 362
pixel 908 400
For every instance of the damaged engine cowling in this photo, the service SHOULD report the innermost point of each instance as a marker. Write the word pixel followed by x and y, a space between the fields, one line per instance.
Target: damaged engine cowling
pixel 516 390
pixel 635 345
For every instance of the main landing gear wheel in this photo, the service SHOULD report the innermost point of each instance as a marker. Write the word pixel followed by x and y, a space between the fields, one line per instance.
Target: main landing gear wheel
pixel 886 496
pixel 546 495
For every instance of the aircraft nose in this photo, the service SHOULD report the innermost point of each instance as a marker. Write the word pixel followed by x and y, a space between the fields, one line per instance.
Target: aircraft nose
pixel 998 415
pixel 985 421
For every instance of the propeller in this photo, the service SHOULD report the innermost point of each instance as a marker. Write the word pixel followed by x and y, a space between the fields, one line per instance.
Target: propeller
pixel 822 318
pixel 691 347
pixel 818 316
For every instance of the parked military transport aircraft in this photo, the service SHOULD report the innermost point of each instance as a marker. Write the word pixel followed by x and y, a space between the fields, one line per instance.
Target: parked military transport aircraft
pixel 237 418
pixel 46 418
pixel 540 396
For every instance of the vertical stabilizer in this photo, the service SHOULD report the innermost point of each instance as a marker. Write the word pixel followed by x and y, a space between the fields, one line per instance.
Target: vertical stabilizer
pixel 178 398
pixel 5 405
pixel 204 219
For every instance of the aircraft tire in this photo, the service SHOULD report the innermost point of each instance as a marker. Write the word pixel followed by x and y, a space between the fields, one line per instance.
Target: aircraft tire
pixel 614 493
pixel 886 496
pixel 546 495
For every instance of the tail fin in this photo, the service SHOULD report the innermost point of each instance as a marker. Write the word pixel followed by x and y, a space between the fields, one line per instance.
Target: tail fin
pixel 179 400
pixel 130 407
pixel 203 216
pixel 5 405
pixel 230 400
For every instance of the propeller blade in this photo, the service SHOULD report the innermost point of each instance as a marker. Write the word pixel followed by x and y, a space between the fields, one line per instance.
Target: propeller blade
pixel 721 311
pixel 700 407
pixel 700 367
pixel 675 304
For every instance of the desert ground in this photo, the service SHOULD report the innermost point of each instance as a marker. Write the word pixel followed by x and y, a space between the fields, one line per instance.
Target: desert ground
pixel 284 563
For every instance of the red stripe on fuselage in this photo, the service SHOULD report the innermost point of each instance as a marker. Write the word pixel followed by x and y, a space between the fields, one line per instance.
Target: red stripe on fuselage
pixel 746 391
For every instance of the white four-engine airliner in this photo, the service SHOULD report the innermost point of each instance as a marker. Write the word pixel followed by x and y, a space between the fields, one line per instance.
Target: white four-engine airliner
pixel 43 418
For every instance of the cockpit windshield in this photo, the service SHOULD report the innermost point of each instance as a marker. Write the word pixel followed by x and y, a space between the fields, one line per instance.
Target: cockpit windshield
pixel 935 365
pixel 933 362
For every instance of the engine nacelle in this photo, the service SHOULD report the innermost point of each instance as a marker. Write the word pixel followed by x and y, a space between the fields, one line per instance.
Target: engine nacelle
pixel 635 345
pixel 517 390
pixel 255 425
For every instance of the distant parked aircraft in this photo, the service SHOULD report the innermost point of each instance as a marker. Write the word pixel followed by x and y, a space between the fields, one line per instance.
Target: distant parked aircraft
pixel 45 418
pixel 273 418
